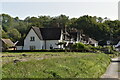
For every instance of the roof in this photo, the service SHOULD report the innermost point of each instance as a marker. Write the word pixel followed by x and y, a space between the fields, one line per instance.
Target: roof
pixel 118 46
pixel 8 42
pixel 20 43
pixel 85 37
pixel 44 34
pixel 92 41
pixel 48 33
pixel 37 31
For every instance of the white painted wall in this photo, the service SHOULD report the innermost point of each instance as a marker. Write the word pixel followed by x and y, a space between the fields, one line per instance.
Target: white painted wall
pixel 61 37
pixel 118 49
pixel 53 43
pixel 96 44
pixel 19 47
pixel 37 43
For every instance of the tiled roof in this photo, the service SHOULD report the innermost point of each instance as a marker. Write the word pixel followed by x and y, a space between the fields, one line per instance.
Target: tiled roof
pixel 92 41
pixel 48 33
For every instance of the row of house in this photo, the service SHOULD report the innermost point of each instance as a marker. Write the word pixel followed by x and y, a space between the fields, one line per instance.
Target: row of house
pixel 49 38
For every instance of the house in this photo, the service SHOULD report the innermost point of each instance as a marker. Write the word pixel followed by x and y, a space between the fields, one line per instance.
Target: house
pixel 52 38
pixel 84 39
pixel 93 42
pixel 75 36
pixel 7 44
pixel 117 46
pixel 41 38
pixel 72 37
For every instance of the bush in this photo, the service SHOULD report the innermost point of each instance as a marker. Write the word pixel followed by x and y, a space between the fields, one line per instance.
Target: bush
pixel 110 50
pixel 80 46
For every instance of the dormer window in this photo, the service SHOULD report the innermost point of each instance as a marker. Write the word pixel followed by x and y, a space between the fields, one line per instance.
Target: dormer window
pixel 32 38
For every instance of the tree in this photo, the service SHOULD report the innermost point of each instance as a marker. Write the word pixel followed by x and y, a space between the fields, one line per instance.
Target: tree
pixel 14 34
pixel 100 20
pixel 6 21
pixel 4 34
pixel 95 27
pixel 60 21
pixel 44 21
pixel 87 24
pixel 114 30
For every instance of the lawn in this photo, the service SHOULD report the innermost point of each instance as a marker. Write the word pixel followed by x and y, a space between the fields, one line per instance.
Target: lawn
pixel 54 65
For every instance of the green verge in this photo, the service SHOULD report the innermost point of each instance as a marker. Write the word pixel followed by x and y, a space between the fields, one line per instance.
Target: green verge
pixel 88 66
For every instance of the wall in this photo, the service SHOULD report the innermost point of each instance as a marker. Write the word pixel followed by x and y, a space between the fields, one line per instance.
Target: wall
pixel 53 43
pixel 96 44
pixel 19 47
pixel 61 37
pixel 37 43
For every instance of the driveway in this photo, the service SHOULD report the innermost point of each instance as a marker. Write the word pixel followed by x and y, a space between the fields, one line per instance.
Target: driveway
pixel 113 71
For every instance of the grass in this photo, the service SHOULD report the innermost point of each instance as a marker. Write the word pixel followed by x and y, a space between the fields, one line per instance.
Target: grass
pixel 9 57
pixel 56 65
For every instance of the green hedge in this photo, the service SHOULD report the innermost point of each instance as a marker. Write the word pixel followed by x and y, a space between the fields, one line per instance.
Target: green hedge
pixel 80 46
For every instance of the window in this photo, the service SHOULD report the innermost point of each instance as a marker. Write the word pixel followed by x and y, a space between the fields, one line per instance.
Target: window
pixel 32 38
pixel 32 47
pixel 51 47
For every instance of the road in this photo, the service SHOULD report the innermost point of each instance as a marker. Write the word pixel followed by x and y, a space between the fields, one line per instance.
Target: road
pixel 113 71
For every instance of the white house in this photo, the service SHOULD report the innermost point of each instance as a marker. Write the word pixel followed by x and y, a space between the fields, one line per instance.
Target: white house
pixel 117 46
pixel 41 38
pixel 93 42
pixel 49 38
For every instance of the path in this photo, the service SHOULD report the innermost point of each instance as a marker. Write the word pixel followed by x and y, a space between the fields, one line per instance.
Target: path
pixel 113 70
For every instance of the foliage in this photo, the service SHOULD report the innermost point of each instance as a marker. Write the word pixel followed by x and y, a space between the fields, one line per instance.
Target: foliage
pixel 110 50
pixel 14 34
pixel 4 34
pixel 71 65
pixel 100 29
pixel 80 46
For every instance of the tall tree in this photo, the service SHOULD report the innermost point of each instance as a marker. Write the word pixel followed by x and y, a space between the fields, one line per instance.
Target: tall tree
pixel 14 34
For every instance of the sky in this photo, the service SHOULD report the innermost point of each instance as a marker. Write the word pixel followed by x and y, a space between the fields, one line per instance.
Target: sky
pixel 71 8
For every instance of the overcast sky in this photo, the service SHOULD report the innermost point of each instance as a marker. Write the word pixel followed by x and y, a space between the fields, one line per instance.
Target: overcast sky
pixel 71 8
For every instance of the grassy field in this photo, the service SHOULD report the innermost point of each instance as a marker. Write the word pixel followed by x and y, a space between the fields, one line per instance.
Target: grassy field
pixel 54 65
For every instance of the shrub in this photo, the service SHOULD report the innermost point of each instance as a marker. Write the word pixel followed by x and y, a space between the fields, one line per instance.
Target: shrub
pixel 110 50
pixel 80 46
